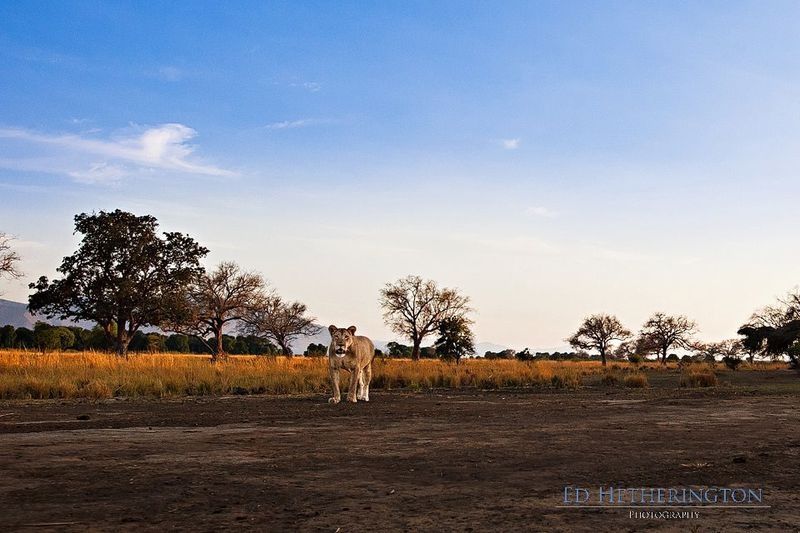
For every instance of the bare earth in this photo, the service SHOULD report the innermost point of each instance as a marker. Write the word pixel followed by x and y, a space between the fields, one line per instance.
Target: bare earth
pixel 442 461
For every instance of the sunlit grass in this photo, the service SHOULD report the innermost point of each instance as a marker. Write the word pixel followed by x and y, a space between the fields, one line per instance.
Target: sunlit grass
pixel 32 375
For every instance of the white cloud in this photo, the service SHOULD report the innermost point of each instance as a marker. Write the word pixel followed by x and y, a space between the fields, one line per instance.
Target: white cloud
pixel 541 212
pixel 98 173
pixel 299 123
pixel 163 147
pixel 289 124
pixel 510 144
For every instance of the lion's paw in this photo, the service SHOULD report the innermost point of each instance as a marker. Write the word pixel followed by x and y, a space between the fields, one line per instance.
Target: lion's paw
pixel 333 400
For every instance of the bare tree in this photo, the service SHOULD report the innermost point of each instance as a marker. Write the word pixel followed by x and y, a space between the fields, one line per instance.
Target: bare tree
pixel 216 299
pixel 281 322
pixel 8 257
pixel 711 350
pixel 597 332
pixel 663 332
pixel 414 308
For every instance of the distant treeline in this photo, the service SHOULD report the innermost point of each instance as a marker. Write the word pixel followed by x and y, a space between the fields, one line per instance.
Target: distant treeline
pixel 45 337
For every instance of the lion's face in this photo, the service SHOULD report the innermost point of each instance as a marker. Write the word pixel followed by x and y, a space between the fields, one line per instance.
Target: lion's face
pixel 341 339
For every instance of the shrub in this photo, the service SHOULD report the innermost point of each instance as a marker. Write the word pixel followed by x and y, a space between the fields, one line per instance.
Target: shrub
pixel 610 378
pixel 637 380
pixel 635 358
pixel 732 362
pixel 566 380
pixel 694 378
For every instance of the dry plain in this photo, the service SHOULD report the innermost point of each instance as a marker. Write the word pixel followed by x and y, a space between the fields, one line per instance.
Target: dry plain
pixel 434 460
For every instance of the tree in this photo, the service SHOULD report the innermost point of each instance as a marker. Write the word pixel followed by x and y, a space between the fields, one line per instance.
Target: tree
pixel 709 351
pixel 524 355
pixel 316 350
pixel 8 337
pixel 775 330
pixel 597 332
pixel 123 275
pixel 281 322
pixel 49 337
pixel 177 343
pixel 414 308
pixel 8 257
pixel 662 332
pixel 398 351
pixel 214 300
pixel 25 338
pixel 455 339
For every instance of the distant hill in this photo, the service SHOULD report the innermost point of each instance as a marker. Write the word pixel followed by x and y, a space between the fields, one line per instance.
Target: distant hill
pixel 16 314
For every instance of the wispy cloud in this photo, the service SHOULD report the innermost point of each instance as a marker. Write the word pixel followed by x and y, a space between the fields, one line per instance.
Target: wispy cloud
pixel 170 73
pixel 300 123
pixel 541 212
pixel 289 124
pixel 163 147
pixel 510 144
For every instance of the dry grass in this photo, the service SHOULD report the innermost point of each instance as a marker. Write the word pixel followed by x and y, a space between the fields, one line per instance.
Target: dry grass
pixel 30 375
pixel 698 377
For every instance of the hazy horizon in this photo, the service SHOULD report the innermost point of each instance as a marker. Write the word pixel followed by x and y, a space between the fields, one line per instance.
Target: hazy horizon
pixel 551 160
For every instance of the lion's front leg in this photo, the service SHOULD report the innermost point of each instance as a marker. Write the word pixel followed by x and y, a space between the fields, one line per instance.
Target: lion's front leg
pixel 362 389
pixel 353 390
pixel 337 396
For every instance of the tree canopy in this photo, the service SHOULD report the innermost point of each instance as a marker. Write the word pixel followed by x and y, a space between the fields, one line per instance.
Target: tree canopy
pixel 597 332
pixel 281 322
pixel 219 298
pixel 662 332
pixel 123 276
pixel 455 339
pixel 414 308
pixel 775 330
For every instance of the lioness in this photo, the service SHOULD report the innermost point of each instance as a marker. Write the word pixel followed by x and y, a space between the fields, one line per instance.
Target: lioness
pixel 354 354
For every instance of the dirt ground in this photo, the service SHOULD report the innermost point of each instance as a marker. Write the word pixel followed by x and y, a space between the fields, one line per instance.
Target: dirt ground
pixel 429 461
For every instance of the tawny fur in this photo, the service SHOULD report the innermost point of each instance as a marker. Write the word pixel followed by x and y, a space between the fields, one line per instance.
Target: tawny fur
pixel 353 353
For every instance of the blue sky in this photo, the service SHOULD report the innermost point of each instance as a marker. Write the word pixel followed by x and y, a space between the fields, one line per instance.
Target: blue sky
pixel 550 159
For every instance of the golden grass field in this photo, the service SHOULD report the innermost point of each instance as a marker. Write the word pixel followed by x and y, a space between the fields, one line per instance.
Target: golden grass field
pixel 91 375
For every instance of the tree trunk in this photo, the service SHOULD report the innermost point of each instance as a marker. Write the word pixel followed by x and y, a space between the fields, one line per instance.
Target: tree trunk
pixel 220 350
pixel 122 341
pixel 603 356
pixel 285 349
pixel 664 356
pixel 415 353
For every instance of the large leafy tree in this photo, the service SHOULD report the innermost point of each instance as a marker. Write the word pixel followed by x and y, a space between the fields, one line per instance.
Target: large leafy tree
pixel 414 308
pixel 597 332
pixel 455 339
pixel 281 322
pixel 775 330
pixel 124 276
pixel 214 300
pixel 662 332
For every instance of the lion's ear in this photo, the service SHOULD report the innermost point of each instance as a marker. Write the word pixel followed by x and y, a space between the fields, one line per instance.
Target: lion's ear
pixel 331 328
pixel 352 330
